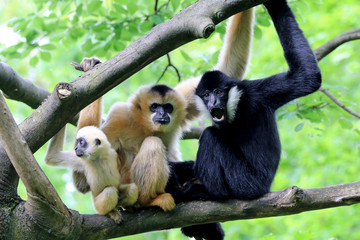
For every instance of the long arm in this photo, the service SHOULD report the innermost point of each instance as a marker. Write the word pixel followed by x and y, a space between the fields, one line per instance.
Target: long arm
pixel 304 75
pixel 55 156
pixel 235 54
pixel 233 59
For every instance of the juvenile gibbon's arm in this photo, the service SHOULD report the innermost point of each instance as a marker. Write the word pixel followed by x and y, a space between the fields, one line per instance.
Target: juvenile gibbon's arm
pixel 56 156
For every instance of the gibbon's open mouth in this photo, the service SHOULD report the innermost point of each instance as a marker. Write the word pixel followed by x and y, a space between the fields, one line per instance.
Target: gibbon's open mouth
pixel 162 121
pixel 217 114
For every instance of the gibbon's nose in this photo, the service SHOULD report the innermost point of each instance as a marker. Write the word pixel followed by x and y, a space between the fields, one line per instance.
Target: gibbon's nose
pixel 212 101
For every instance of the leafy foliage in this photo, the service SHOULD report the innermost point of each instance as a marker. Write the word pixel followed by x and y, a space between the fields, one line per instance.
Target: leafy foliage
pixel 320 141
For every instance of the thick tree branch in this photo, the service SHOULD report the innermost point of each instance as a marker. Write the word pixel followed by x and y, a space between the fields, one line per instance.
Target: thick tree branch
pixel 292 200
pixel 20 89
pixel 37 184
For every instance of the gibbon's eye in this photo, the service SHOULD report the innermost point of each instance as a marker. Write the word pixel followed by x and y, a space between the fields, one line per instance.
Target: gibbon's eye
pixel 168 108
pixel 153 107
pixel 97 141
pixel 81 142
pixel 206 95
pixel 218 92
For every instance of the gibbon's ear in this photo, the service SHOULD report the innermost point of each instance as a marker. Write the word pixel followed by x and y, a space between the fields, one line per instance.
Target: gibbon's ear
pixel 232 103
pixel 200 105
pixel 97 141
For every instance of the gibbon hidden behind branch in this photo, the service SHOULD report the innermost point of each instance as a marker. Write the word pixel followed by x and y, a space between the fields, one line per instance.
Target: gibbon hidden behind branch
pixel 94 156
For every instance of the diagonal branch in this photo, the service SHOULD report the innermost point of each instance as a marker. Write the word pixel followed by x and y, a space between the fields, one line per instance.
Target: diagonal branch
pixel 37 184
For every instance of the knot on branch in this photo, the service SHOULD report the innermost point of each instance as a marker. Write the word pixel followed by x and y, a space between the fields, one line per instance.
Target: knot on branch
pixel 64 90
pixel 208 30
pixel 289 197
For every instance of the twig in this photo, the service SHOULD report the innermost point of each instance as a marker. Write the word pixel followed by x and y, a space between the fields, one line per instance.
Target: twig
pixel 327 48
pixel 340 104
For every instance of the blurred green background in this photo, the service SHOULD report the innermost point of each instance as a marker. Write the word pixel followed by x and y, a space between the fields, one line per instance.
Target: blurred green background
pixel 320 141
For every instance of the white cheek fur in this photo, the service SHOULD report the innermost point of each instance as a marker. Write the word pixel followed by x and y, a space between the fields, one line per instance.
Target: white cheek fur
pixel 232 103
pixel 201 107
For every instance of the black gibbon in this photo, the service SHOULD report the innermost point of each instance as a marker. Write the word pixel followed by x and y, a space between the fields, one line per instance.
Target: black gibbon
pixel 94 156
pixel 133 133
pixel 239 154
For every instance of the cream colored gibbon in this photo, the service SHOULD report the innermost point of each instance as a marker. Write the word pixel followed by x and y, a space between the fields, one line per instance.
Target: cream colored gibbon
pixel 145 131
pixel 94 156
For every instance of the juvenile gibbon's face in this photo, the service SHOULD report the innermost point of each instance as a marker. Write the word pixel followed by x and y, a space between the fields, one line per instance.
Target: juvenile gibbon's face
pixel 91 142
pixel 159 108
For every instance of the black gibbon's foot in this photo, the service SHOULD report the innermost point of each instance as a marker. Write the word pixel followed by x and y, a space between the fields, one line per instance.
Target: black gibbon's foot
pixel 209 231
pixel 86 64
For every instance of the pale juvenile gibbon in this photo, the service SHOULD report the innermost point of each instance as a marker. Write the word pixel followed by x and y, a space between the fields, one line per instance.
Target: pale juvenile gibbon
pixel 94 156
pixel 134 131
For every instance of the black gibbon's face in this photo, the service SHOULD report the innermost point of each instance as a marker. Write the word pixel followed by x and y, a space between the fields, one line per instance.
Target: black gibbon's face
pixel 220 96
pixel 161 113
pixel 215 101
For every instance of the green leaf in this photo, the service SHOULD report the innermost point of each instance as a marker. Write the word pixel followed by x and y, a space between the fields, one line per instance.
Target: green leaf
pixel 87 45
pixel 34 61
pixel 48 47
pixel 45 56
pixel 257 32
pixel 132 7
pixel 185 56
pixel 175 4
pixel 346 124
pixel 157 19
pixel 145 26
pixel 292 108
pixel 357 131
pixel 94 5
pixel 299 127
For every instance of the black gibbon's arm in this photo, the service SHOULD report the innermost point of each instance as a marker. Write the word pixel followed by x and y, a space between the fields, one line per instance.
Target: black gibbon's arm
pixel 304 75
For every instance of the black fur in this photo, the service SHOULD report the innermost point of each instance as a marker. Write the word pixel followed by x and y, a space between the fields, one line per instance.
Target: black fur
pixel 161 89
pixel 239 159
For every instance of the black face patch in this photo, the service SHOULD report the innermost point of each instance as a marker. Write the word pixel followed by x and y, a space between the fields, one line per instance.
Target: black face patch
pixel 161 89
pixel 81 146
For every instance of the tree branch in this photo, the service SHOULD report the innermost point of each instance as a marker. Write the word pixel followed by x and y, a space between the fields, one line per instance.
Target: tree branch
pixel 340 104
pixel 37 184
pixel 331 45
pixel 292 200
pixel 20 89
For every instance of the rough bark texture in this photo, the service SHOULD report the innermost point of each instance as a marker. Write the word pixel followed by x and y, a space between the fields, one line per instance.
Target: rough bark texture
pixel 30 219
